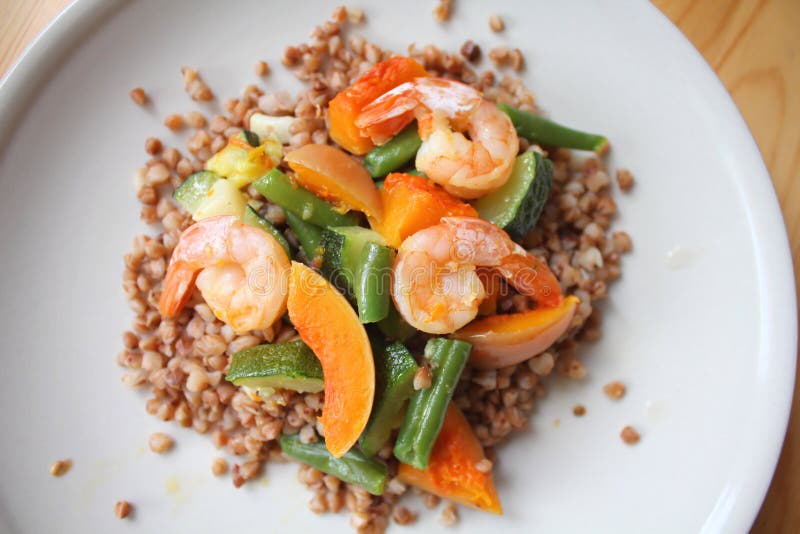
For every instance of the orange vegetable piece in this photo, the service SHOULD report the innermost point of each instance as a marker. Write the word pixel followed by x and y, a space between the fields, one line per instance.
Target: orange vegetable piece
pixel 346 106
pixel 451 472
pixel 331 174
pixel 330 327
pixel 411 203
pixel 503 340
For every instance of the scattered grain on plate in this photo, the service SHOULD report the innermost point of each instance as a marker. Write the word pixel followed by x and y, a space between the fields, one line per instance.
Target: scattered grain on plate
pixel 471 51
pixel 60 467
pixel 449 515
pixel 122 509
pixel 238 478
pixel 174 122
pixel 431 501
pixel 614 390
pixel 422 378
pixel 404 516
pixel 152 145
pixel 355 15
pixel 499 55
pixel 496 23
pixel 160 442
pixel 516 59
pixel 195 119
pixel 194 85
pixel 629 435
pixel 624 179
pixel 138 95
pixel 579 410
pixel 261 68
pixel 442 10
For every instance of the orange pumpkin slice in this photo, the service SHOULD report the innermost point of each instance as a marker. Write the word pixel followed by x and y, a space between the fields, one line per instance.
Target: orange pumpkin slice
pixel 503 340
pixel 330 327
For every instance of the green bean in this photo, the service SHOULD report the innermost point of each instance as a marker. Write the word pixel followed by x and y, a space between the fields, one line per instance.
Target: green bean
pixel 394 383
pixel 391 156
pixel 372 282
pixel 416 172
pixel 427 408
pixel 252 218
pixel 309 235
pixel 540 130
pixel 395 327
pixel 279 189
pixel 354 467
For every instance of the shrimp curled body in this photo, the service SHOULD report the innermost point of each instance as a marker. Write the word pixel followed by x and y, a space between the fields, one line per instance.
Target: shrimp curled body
pixel 468 144
pixel 241 271
pixel 435 285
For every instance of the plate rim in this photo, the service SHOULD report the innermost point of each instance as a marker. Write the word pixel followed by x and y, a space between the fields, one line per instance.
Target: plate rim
pixel 773 259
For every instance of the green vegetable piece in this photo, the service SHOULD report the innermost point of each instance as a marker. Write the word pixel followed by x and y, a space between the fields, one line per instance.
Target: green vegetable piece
pixel 290 365
pixel 251 138
pixel 354 467
pixel 391 156
pixel 194 190
pixel 394 384
pixel 252 218
pixel 427 408
pixel 395 327
pixel 309 235
pixel 517 205
pixel 537 129
pixel 379 184
pixel 342 254
pixel 416 172
pixel 281 190
pixel 372 282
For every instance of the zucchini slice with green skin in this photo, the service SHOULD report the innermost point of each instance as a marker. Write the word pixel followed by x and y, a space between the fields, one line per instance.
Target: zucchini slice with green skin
pixel 342 254
pixel 292 365
pixel 517 205
pixel 372 282
pixel 281 190
pixel 252 218
pixel 194 190
pixel 354 467
pixel 394 384
pixel 309 235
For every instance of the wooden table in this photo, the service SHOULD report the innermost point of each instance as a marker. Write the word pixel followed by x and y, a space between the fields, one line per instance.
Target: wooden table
pixel 754 46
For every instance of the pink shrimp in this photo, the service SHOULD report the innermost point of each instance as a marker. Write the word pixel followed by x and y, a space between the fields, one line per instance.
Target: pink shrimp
pixel 241 271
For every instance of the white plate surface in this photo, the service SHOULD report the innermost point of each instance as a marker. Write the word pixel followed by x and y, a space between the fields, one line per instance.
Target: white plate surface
pixel 707 348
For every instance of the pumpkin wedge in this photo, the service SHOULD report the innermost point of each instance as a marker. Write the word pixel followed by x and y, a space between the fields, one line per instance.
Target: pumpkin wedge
pixel 451 472
pixel 503 340
pixel 346 106
pixel 331 174
pixel 330 327
pixel 412 203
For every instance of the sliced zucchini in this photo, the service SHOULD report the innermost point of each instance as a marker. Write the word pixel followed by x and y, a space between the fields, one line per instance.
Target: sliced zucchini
pixel 342 251
pixel 290 365
pixel 263 125
pixel 394 384
pixel 194 190
pixel 395 327
pixel 242 162
pixel 517 205
pixel 252 218
pixel 223 198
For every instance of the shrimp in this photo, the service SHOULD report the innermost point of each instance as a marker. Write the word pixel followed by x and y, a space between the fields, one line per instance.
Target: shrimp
pixel 435 284
pixel 467 166
pixel 241 271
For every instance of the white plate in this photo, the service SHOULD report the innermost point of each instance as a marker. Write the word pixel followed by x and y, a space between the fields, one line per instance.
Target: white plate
pixel 707 349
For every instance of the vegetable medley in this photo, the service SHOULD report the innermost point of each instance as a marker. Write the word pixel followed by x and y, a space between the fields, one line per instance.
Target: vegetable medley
pixel 405 247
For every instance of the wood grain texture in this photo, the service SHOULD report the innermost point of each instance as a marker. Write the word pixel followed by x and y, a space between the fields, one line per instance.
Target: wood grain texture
pixel 754 46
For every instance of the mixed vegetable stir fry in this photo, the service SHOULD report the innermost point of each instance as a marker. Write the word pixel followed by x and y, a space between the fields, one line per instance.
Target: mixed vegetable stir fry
pixel 414 243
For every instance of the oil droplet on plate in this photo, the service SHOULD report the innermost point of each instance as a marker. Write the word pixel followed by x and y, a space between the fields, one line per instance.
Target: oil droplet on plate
pixel 679 257
pixel 172 485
